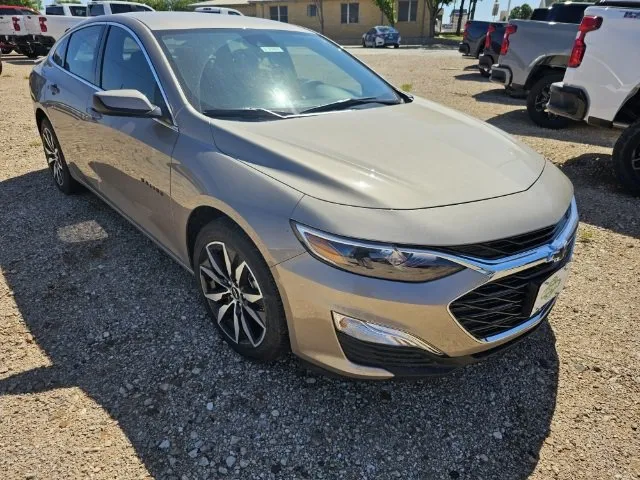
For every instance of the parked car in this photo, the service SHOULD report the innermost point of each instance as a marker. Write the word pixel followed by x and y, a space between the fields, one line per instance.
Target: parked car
pixel 219 10
pixel 332 244
pixel 492 45
pixel 13 28
pixel 473 38
pixel 602 83
pixel 534 55
pixel 381 36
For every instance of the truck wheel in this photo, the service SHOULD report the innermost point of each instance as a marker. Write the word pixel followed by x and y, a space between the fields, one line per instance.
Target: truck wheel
pixel 6 50
pixel 485 72
pixel 537 103
pixel 626 159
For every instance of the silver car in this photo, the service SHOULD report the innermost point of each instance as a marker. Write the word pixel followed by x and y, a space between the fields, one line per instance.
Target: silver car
pixel 251 152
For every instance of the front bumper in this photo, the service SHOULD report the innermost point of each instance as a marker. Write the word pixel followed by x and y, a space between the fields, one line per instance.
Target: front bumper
pixel 312 290
pixel 464 48
pixel 568 101
pixel 501 74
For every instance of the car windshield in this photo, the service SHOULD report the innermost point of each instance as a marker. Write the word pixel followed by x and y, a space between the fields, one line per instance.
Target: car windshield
pixel 269 73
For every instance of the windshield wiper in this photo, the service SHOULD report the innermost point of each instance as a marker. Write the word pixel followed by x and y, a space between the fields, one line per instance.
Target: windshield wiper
pixel 347 103
pixel 250 113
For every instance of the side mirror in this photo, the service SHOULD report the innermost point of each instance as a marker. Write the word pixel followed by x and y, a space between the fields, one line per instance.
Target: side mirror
pixel 125 103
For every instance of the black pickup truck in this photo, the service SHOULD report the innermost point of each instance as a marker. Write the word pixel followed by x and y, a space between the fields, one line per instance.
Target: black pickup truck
pixel 492 45
pixel 473 38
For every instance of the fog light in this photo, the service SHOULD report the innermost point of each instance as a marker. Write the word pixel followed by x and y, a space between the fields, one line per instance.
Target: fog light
pixel 370 332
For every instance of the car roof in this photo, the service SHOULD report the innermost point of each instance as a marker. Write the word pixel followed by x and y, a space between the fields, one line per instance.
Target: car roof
pixel 194 20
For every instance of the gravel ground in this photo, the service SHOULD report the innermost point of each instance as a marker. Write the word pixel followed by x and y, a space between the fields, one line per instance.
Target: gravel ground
pixel 110 369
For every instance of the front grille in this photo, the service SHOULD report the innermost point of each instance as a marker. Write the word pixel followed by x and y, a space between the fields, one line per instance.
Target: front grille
pixel 498 306
pixel 512 245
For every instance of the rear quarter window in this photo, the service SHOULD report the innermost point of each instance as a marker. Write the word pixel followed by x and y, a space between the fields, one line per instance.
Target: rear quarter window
pixel 54 11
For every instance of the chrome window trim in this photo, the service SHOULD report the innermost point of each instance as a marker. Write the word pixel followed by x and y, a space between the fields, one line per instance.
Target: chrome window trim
pixel 173 123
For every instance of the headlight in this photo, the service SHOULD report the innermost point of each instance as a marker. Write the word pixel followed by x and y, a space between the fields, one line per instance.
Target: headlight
pixel 372 259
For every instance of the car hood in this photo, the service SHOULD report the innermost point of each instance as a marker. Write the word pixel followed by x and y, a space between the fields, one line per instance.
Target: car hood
pixel 406 156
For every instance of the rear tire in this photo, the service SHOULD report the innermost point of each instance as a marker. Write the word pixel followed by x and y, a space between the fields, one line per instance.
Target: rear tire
pixel 364 45
pixel 6 50
pixel 484 72
pixel 537 103
pixel 55 159
pixel 626 159
pixel 239 292
pixel 395 45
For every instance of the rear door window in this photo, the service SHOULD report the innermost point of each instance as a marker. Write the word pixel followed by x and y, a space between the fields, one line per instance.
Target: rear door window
pixel 96 9
pixel 54 10
pixel 121 8
pixel 567 13
pixel 83 51
pixel 77 11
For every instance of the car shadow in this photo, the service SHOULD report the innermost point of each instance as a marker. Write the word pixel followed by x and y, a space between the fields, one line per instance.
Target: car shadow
pixel 472 77
pixel 601 199
pixel 498 95
pixel 517 122
pixel 120 320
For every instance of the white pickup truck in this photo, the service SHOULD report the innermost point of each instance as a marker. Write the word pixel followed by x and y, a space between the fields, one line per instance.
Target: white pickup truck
pixel 602 82
pixel 13 25
pixel 40 32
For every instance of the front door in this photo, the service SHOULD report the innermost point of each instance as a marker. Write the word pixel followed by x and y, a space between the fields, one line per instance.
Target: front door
pixel 132 156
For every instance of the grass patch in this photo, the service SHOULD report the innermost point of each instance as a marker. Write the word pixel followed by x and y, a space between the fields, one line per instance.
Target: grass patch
pixel 35 143
pixel 450 36
pixel 407 87
pixel 26 77
pixel 586 236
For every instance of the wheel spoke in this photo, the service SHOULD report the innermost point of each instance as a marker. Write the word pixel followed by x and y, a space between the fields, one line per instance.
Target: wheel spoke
pixel 246 329
pixel 223 310
pixel 252 297
pixel 216 296
pixel 214 263
pixel 213 276
pixel 239 271
pixel 227 262
pixel 254 315
pixel 236 322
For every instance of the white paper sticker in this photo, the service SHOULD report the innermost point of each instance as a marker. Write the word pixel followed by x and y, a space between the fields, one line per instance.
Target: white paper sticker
pixel 271 49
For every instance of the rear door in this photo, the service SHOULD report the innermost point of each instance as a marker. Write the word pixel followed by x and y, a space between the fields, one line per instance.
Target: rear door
pixel 132 156
pixel 71 83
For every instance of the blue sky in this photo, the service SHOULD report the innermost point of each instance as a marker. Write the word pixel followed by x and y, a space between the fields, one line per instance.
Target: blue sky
pixel 484 7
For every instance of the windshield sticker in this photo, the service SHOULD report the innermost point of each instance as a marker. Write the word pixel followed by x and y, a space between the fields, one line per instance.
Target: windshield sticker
pixel 271 49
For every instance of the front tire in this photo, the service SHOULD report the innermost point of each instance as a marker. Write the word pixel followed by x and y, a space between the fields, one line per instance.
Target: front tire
pixel 55 160
pixel 626 159
pixel 396 45
pixel 239 292
pixel 537 103
pixel 364 45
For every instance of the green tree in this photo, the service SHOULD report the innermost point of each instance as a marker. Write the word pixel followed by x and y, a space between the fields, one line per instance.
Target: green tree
pixel 521 13
pixel 433 7
pixel 388 9
pixel 35 4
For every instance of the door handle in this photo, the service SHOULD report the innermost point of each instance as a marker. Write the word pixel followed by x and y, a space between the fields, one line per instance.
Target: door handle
pixel 54 89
